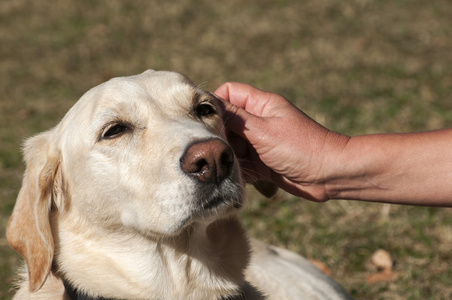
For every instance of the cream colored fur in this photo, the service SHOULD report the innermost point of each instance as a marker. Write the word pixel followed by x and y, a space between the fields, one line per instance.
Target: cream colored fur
pixel 115 216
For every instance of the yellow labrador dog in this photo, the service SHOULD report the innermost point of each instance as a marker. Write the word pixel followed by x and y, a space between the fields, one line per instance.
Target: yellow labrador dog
pixel 133 195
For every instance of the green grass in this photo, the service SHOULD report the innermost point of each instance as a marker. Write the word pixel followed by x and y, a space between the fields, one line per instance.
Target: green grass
pixel 356 66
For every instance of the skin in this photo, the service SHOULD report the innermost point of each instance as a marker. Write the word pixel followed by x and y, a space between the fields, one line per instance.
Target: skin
pixel 277 142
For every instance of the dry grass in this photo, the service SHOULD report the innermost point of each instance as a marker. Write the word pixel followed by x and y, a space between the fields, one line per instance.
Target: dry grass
pixel 356 66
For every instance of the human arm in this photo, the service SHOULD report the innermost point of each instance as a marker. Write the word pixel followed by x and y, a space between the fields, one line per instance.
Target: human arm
pixel 410 168
pixel 279 143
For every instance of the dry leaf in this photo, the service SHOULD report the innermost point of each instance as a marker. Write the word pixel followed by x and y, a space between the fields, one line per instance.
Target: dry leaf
pixel 383 276
pixel 322 266
pixel 382 259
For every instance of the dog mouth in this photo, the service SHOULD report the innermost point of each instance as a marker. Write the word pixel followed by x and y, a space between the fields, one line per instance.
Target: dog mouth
pixel 229 195
pixel 212 202
pixel 215 202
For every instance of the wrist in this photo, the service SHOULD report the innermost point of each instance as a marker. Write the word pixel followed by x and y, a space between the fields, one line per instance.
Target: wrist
pixel 358 168
pixel 335 163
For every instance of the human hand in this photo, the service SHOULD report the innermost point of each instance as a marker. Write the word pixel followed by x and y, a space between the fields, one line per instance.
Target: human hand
pixel 277 142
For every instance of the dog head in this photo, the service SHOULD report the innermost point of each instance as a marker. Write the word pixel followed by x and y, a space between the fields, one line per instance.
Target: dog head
pixel 144 153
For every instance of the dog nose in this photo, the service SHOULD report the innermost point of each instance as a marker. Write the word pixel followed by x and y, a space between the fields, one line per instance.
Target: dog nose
pixel 209 161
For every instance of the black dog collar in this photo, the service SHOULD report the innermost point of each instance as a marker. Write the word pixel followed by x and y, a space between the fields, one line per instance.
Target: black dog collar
pixel 76 295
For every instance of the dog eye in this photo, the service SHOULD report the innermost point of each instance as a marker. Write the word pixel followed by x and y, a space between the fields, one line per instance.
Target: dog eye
pixel 205 109
pixel 115 131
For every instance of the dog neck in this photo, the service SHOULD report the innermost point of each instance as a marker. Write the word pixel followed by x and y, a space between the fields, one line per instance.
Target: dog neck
pixel 204 260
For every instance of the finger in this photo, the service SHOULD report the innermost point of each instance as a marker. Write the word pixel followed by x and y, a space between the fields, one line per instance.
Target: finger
pixel 245 96
pixel 306 191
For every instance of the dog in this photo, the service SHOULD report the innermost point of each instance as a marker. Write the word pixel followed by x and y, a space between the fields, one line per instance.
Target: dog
pixel 134 195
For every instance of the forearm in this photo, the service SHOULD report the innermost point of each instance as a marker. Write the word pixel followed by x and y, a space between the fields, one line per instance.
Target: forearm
pixel 413 168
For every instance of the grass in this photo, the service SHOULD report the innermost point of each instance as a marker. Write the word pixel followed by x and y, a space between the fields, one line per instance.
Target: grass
pixel 356 66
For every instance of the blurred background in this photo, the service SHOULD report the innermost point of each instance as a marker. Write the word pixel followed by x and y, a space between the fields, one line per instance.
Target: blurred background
pixel 355 66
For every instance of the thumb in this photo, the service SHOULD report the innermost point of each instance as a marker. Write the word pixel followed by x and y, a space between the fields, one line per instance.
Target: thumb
pixel 253 100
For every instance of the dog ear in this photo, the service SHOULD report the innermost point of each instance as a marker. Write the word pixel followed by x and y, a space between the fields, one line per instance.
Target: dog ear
pixel 266 188
pixel 29 231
